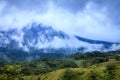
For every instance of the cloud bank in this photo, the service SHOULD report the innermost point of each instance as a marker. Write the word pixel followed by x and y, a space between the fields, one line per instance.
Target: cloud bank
pixel 94 19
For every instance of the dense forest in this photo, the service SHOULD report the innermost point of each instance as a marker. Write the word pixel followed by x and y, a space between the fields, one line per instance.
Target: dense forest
pixel 79 66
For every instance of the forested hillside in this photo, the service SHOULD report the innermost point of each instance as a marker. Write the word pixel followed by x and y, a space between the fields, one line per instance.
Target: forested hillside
pixel 79 66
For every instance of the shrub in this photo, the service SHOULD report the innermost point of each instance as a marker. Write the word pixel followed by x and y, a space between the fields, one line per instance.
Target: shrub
pixel 111 70
pixel 69 75
pixel 3 77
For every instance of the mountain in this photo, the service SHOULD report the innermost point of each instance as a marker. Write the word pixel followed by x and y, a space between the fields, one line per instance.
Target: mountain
pixel 105 43
pixel 35 41
pixel 46 39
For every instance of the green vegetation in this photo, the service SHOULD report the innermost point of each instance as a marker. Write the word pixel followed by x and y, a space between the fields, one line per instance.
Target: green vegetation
pixel 80 66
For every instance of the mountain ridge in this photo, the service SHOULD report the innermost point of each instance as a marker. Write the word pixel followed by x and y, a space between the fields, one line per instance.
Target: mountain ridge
pixel 38 36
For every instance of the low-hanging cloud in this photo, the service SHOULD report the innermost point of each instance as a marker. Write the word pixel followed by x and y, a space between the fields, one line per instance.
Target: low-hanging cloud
pixel 88 18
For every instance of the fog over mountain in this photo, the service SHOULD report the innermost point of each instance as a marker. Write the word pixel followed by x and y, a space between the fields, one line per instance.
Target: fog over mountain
pixel 46 39
pixel 92 19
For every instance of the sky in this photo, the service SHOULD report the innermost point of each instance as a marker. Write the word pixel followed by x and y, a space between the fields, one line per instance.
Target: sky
pixel 93 19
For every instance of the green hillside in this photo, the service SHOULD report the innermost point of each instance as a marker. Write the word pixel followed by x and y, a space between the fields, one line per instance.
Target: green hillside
pixel 88 66
pixel 104 71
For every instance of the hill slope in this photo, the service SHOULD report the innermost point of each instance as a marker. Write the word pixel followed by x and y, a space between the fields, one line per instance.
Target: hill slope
pixel 97 72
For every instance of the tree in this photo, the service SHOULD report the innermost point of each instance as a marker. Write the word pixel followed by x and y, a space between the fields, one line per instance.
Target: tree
pixel 68 64
pixel 98 60
pixel 11 71
pixel 84 63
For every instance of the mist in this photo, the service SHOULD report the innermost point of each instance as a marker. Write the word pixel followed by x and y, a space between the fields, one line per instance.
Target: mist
pixel 93 19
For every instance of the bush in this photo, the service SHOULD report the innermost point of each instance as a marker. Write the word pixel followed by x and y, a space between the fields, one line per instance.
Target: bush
pixel 69 75
pixel 98 60
pixel 3 77
pixel 111 70
pixel 111 66
pixel 93 75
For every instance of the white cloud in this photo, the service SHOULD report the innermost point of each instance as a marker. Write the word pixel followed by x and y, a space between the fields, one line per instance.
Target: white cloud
pixel 114 47
pixel 89 22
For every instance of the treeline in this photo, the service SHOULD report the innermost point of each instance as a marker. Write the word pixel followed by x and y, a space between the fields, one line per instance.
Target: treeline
pixel 96 56
pixel 19 55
